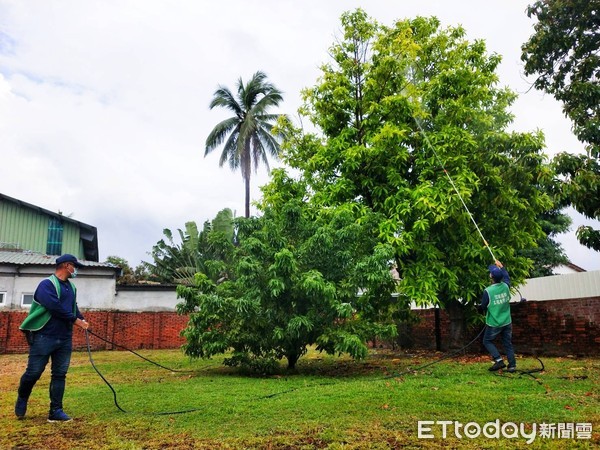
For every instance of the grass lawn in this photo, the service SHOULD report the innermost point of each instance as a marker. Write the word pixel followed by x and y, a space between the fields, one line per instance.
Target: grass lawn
pixel 328 402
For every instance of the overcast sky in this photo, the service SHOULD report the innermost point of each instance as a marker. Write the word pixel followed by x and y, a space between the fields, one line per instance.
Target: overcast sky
pixel 104 104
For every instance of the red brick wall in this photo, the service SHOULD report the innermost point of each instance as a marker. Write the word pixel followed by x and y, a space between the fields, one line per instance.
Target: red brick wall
pixel 11 339
pixel 554 327
pixel 557 327
pixel 150 330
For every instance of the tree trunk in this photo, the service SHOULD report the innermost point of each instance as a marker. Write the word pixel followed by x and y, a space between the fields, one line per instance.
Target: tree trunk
pixel 438 329
pixel 247 186
pixel 292 360
pixel 456 313
pixel 246 163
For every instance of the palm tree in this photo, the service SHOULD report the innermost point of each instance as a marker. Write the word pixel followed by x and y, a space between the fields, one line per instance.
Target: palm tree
pixel 249 132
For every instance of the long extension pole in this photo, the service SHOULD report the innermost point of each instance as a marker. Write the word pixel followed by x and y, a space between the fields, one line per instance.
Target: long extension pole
pixel 441 163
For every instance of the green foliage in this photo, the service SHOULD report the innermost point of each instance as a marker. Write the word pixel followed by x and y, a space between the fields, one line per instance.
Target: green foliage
pixel 563 54
pixel 581 189
pixel 122 263
pixel 129 275
pixel 409 114
pixel 548 253
pixel 248 136
pixel 292 281
pixel 223 223
pixel 198 251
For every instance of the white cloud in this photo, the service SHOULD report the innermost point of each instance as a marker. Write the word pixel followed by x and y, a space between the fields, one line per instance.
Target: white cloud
pixel 104 104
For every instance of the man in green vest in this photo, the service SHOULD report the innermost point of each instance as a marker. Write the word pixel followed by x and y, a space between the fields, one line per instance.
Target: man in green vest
pixel 49 331
pixel 495 303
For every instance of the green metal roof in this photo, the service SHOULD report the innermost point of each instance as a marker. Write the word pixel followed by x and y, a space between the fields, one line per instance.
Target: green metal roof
pixel 26 258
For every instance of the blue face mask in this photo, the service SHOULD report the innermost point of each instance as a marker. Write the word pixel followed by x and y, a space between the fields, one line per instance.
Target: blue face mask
pixel 74 273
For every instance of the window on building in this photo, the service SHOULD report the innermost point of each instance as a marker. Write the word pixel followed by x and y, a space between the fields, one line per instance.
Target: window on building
pixel 55 236
pixel 26 300
pixel 2 298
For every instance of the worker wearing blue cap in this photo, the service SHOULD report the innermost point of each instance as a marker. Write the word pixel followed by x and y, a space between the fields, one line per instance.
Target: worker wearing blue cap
pixel 49 331
pixel 495 304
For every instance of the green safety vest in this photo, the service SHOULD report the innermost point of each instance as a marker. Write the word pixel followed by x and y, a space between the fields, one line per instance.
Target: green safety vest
pixel 498 310
pixel 38 315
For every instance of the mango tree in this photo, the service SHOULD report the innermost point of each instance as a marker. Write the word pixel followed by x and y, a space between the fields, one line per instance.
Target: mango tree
pixel 299 276
pixel 412 126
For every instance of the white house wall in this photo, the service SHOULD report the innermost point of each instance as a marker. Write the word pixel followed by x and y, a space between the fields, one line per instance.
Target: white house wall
pixel 146 300
pixel 95 288
pixel 95 292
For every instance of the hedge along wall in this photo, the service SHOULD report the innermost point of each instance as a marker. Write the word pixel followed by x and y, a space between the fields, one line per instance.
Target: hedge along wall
pixel 555 327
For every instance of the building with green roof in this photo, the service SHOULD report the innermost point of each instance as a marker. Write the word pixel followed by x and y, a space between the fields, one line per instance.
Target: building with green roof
pixel 26 227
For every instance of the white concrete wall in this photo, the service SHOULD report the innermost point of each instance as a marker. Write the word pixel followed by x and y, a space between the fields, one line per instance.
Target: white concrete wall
pixel 96 287
pixel 7 286
pixel 146 300
pixel 96 290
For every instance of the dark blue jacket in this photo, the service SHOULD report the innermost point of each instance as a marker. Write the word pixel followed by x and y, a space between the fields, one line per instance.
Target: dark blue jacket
pixel 61 309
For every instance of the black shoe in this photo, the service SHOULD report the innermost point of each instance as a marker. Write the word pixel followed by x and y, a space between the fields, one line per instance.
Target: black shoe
pixel 20 407
pixel 511 369
pixel 497 366
pixel 58 415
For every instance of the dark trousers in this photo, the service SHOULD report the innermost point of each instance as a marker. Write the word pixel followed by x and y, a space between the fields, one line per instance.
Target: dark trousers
pixel 42 349
pixel 505 333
